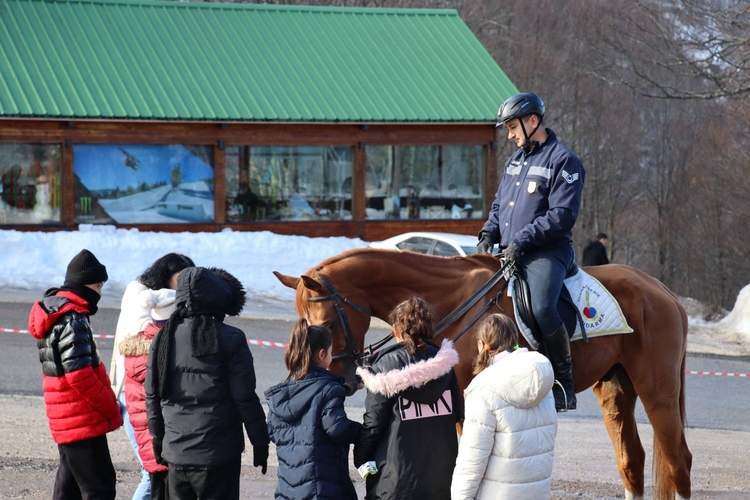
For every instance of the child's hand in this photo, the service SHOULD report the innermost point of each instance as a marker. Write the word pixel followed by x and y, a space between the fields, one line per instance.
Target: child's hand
pixel 260 458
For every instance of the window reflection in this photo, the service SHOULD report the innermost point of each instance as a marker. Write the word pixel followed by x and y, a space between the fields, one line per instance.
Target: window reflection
pixel 424 182
pixel 30 183
pixel 134 183
pixel 288 183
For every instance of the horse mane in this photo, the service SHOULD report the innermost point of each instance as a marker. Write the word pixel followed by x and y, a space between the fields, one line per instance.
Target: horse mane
pixel 410 262
pixel 399 255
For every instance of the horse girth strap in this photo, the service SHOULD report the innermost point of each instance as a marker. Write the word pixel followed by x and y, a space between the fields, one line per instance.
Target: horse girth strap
pixel 461 310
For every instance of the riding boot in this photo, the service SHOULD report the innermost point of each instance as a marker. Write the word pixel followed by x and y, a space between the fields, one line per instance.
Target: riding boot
pixel 558 351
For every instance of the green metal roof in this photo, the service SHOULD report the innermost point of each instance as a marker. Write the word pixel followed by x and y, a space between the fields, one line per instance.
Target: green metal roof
pixel 156 60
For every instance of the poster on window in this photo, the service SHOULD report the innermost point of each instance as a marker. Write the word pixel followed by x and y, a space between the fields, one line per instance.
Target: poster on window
pixel 143 184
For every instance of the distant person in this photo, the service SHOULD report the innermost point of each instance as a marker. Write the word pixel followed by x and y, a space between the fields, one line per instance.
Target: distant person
pixel 595 253
pixel 200 390
pixel 532 219
pixel 307 421
pixel 135 349
pixel 508 438
pixel 156 283
pixel 412 202
pixel 81 407
pixel 412 406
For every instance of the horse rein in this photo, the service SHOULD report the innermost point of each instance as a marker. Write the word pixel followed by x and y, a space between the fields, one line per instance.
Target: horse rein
pixel 505 271
pixel 351 345
pixel 352 351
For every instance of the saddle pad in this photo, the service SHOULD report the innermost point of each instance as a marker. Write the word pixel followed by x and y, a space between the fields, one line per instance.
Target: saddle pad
pixel 599 310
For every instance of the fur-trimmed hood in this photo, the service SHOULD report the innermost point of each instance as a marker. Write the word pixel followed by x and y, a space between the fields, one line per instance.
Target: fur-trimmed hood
pixel 420 376
pixel 211 291
pixel 139 345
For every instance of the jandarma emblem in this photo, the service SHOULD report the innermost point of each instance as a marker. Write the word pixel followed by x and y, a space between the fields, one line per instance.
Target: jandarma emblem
pixel 569 178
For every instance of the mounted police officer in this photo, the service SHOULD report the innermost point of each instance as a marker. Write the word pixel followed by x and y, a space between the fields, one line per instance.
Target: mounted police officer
pixel 532 219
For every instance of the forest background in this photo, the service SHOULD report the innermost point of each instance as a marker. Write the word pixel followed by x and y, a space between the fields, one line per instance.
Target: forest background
pixel 653 97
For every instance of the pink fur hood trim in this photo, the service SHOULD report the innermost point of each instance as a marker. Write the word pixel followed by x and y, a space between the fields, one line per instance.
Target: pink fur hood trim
pixel 413 375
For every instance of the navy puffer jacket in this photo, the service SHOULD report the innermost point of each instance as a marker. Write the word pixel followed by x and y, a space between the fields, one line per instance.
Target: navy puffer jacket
pixel 306 420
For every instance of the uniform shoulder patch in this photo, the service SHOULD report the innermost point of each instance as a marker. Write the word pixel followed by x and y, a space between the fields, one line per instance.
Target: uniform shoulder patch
pixel 569 178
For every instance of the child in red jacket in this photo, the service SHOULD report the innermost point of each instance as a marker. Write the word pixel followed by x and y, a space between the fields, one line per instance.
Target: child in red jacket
pixel 81 407
pixel 136 349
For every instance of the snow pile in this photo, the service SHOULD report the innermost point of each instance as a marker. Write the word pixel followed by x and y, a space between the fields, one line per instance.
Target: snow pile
pixel 35 261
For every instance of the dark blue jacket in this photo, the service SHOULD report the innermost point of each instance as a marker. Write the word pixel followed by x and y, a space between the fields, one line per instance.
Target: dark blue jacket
pixel 306 420
pixel 539 197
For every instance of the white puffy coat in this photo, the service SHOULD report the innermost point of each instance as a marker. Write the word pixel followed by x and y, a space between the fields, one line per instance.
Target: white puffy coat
pixel 135 315
pixel 510 425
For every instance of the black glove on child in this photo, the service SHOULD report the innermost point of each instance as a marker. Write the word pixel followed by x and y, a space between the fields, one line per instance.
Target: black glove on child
pixel 485 243
pixel 260 458
pixel 511 252
pixel 157 452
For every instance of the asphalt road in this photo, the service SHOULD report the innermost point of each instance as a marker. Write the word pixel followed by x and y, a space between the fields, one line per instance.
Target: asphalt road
pixel 718 434
pixel 713 402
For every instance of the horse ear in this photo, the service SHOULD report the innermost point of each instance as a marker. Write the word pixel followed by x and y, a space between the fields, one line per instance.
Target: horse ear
pixel 289 281
pixel 311 284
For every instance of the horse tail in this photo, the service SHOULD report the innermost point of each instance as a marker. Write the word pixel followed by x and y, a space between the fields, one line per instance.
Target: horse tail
pixel 663 486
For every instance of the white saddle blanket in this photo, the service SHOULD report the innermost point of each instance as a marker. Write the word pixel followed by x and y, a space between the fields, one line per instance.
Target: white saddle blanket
pixel 599 310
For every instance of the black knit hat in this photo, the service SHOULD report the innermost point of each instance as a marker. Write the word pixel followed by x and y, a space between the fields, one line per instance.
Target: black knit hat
pixel 85 269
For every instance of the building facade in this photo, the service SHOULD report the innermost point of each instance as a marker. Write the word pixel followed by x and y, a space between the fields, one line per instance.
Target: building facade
pixel 298 120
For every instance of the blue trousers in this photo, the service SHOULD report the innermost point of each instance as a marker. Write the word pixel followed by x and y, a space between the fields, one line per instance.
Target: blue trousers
pixel 143 491
pixel 545 272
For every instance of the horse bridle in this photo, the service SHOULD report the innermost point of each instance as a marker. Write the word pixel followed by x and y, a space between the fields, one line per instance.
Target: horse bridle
pixel 352 351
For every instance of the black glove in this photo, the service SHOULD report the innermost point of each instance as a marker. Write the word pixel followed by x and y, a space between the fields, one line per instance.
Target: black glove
pixel 260 458
pixel 485 243
pixel 157 452
pixel 512 251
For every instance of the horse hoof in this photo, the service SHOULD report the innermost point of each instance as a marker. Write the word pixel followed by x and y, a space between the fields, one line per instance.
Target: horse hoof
pixel 629 495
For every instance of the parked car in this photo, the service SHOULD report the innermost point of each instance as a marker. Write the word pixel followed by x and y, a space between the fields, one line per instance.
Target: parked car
pixel 440 244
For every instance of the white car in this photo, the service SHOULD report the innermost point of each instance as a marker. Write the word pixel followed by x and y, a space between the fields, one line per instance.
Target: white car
pixel 440 244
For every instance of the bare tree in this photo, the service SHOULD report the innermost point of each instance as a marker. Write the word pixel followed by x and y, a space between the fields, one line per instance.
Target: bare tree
pixel 681 49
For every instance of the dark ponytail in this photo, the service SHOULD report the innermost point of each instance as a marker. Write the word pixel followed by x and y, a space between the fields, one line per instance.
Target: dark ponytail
pixel 304 342
pixel 413 320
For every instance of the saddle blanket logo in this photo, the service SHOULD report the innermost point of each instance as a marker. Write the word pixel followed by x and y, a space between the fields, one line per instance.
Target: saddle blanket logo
pixel 599 310
pixel 411 410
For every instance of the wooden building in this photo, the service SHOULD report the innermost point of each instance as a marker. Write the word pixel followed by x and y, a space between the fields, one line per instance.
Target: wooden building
pixel 199 116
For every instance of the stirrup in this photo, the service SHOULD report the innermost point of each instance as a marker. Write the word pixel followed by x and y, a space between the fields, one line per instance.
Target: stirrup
pixel 565 398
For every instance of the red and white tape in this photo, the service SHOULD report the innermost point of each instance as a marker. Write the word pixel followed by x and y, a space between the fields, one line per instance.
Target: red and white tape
pixel 282 345
pixel 263 343
pixel 717 374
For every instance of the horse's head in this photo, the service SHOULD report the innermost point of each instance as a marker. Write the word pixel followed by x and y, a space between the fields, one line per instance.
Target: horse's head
pixel 341 309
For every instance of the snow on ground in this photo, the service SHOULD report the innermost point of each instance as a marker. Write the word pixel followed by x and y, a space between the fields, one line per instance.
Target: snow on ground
pixel 31 262
pixel 35 261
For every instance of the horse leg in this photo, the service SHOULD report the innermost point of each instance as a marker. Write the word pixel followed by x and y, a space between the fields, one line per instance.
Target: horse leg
pixel 662 392
pixel 617 398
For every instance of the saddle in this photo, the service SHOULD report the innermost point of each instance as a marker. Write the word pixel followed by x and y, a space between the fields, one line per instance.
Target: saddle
pixel 565 304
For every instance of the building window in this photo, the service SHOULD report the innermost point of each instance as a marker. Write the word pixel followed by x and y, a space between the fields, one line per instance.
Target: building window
pixel 424 182
pixel 288 183
pixel 30 183
pixel 143 184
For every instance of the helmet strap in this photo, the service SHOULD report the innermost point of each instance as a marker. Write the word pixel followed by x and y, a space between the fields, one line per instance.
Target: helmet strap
pixel 528 146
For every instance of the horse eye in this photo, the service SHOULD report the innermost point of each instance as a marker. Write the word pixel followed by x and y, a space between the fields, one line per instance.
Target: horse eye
pixel 328 324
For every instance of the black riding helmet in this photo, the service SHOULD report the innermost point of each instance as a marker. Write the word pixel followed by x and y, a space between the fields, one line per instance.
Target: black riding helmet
pixel 520 106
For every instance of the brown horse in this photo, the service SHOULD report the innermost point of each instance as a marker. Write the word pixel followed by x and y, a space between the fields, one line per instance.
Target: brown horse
pixel 343 292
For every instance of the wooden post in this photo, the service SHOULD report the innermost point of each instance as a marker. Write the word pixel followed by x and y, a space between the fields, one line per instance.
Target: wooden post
pixel 220 185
